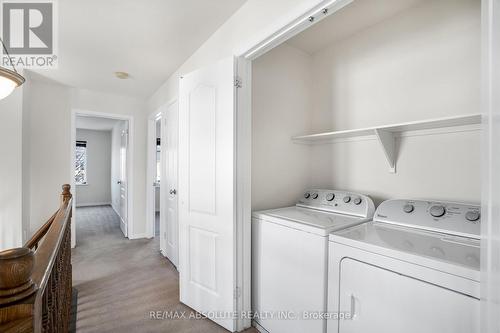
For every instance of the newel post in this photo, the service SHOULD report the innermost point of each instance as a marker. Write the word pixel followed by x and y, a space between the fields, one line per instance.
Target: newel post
pixel 16 266
pixel 66 193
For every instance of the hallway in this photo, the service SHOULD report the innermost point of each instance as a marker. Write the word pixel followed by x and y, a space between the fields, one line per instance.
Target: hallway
pixel 120 281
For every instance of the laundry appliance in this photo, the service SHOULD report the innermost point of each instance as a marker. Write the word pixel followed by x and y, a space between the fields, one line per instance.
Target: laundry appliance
pixel 289 258
pixel 414 269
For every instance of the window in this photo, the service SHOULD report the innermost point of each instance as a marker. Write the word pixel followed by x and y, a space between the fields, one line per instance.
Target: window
pixel 81 163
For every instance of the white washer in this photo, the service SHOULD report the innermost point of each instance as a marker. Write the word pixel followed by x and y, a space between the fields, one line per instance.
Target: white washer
pixel 289 258
pixel 414 269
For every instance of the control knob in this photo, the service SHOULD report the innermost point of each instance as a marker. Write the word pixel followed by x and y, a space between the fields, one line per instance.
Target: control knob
pixel 347 199
pixel 307 195
pixel 437 211
pixel 330 196
pixel 357 201
pixel 472 216
pixel 315 196
pixel 408 208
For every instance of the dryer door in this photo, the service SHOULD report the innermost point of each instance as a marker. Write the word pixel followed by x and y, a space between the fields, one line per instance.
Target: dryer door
pixel 380 300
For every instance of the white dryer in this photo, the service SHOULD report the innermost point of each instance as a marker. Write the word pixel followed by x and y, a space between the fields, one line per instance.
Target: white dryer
pixel 290 257
pixel 414 269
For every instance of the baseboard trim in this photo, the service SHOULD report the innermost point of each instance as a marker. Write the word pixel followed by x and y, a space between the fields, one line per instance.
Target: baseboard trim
pixel 139 236
pixel 123 227
pixel 258 327
pixel 93 204
pixel 114 208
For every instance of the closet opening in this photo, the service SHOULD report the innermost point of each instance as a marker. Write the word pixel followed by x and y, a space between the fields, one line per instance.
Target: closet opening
pixel 374 97
pixel 365 99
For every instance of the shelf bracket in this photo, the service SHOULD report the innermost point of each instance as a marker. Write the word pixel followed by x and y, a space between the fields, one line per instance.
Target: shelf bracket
pixel 388 142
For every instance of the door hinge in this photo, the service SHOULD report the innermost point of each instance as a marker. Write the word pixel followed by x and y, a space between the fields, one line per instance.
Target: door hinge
pixel 238 83
pixel 237 292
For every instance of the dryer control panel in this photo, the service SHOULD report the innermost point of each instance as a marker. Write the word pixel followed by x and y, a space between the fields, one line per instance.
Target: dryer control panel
pixel 342 202
pixel 447 217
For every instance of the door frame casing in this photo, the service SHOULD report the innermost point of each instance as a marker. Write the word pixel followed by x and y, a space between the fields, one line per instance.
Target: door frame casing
pixel 243 190
pixel 150 173
pixel 490 212
pixel 130 164
pixel 166 126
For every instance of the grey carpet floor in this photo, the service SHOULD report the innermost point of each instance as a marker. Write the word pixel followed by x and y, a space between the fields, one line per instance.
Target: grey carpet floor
pixel 157 224
pixel 121 281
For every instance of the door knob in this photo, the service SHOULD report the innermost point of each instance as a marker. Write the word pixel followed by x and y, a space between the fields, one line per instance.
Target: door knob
pixel 173 192
pixel 119 182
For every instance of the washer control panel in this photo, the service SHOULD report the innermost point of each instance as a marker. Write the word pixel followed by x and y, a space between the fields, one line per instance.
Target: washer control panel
pixel 338 202
pixel 447 217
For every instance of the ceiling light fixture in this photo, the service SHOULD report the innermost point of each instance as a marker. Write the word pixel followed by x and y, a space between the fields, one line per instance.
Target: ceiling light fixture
pixel 122 75
pixel 9 79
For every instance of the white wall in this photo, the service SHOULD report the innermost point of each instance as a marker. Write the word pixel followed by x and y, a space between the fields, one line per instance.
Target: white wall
pixel 280 109
pixel 97 191
pixel 26 194
pixel 11 119
pixel 422 63
pixel 49 109
pixel 47 133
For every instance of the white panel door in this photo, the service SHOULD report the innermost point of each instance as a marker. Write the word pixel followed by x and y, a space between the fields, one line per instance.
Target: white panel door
pixel 380 300
pixel 170 135
pixel 207 190
pixel 123 182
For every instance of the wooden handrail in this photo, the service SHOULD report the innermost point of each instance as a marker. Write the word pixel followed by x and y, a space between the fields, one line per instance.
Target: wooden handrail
pixel 38 236
pixel 35 280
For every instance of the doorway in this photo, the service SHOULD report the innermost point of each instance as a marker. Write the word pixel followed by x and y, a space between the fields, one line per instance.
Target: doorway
pixel 162 171
pixel 156 183
pixel 101 166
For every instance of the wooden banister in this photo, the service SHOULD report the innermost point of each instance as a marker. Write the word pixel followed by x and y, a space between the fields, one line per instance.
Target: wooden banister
pixel 38 235
pixel 35 280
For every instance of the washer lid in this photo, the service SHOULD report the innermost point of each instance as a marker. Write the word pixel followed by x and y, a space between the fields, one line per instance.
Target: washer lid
pixel 397 241
pixel 310 220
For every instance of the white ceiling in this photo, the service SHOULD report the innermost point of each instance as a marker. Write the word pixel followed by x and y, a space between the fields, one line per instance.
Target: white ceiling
pixel 95 123
pixel 149 39
pixel 359 15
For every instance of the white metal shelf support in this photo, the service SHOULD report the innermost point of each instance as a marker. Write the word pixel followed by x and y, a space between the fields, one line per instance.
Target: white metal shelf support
pixel 388 142
pixel 387 134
